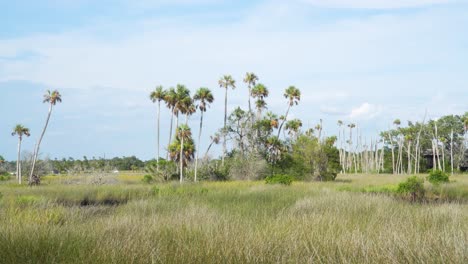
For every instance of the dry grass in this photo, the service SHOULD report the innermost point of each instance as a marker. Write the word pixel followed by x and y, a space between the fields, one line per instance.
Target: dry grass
pixel 233 222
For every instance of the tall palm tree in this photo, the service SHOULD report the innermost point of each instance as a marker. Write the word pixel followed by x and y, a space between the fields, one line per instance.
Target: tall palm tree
pixel 260 92
pixel 19 131
pixel 225 82
pixel 170 99
pixel 184 105
pixel 52 98
pixel 294 96
pixel 250 79
pixel 204 97
pixel 158 95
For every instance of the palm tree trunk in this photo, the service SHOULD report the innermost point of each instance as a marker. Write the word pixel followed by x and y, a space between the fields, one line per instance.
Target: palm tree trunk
pixel 199 144
pixel 224 129
pixel 38 145
pixel 159 118
pixel 18 163
pixel 250 106
pixel 170 133
pixel 284 121
pixel 451 151
pixel 181 158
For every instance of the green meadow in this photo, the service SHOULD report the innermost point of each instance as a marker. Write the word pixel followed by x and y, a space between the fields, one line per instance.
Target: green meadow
pixel 356 219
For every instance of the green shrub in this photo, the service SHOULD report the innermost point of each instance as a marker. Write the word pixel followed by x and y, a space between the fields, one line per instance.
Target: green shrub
pixel 279 179
pixel 437 177
pixel 148 179
pixel 414 187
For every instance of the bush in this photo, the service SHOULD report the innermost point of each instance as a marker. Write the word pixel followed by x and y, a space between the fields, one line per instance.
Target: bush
pixel 437 177
pixel 148 179
pixel 279 179
pixel 250 167
pixel 414 187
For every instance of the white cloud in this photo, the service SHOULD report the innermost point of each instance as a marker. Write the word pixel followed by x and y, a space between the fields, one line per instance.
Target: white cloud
pixel 375 4
pixel 365 111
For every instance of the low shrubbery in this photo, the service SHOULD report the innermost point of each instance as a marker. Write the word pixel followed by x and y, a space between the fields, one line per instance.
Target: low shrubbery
pixel 279 179
pixel 437 177
pixel 412 187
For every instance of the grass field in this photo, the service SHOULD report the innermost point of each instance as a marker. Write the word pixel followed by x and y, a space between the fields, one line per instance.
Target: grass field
pixel 352 220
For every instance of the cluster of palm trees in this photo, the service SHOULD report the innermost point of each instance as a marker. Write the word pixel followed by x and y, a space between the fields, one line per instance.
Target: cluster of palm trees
pixel 52 98
pixel 180 102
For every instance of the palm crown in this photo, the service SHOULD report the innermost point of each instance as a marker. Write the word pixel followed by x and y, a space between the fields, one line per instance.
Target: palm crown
pixel 158 94
pixel 53 97
pixel 21 131
pixel 293 94
pixel 204 97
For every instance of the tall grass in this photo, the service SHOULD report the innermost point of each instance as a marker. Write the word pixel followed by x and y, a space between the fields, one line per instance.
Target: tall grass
pixel 233 222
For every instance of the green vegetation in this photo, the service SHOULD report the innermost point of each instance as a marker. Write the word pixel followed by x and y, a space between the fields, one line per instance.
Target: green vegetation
pixel 279 179
pixel 414 187
pixel 229 222
pixel 437 177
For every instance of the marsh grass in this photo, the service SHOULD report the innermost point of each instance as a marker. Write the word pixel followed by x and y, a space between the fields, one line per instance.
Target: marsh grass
pixel 231 222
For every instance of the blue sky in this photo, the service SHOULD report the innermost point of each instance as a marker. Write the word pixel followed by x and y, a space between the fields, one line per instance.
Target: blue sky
pixel 363 61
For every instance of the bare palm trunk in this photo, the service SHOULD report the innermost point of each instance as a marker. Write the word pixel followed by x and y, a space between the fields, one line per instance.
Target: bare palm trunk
pixel 224 128
pixel 38 145
pixel 159 118
pixel 170 133
pixel 18 163
pixel 181 159
pixel 199 144
pixel 451 151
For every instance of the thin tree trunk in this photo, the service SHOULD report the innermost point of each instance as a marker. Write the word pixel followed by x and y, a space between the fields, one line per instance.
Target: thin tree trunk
pixel 159 118
pixel 409 157
pixel 284 121
pixel 451 151
pixel 170 133
pixel 38 145
pixel 181 158
pixel 224 128
pixel 18 164
pixel 199 144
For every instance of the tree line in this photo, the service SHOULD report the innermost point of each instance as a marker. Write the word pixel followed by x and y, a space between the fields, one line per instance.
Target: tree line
pixel 263 142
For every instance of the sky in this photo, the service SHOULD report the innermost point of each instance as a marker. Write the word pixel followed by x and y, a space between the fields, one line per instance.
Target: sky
pixel 362 61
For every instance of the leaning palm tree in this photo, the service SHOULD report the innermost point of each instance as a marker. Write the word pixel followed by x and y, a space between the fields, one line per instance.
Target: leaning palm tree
pixel 52 98
pixel 204 97
pixel 19 131
pixel 158 95
pixel 250 79
pixel 225 82
pixel 294 96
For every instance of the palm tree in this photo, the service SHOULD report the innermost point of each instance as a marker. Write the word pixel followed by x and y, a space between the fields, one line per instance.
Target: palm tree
pixel 204 97
pixel 19 131
pixel 214 140
pixel 250 79
pixel 170 99
pixel 294 96
pixel 293 126
pixel 184 105
pixel 52 98
pixel 158 95
pixel 182 149
pixel 260 92
pixel 225 82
